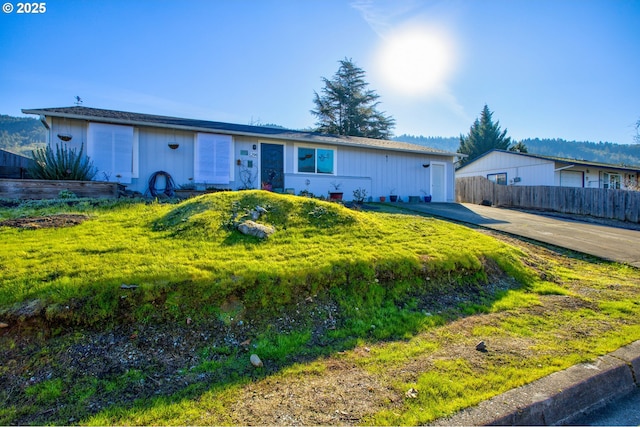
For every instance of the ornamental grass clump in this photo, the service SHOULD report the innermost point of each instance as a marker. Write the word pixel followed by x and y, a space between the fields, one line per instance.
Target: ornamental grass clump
pixel 62 164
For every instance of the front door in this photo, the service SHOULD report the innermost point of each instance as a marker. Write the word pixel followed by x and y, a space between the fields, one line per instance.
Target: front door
pixel 438 193
pixel 272 167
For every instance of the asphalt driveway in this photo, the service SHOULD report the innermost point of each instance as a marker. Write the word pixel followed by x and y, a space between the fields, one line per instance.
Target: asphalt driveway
pixel 604 241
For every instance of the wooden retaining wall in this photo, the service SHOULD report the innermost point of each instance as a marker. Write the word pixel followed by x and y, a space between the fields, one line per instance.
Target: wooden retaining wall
pixel 45 189
pixel 622 205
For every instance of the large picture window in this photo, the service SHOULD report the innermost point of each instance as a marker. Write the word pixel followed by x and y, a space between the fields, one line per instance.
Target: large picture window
pixel 316 160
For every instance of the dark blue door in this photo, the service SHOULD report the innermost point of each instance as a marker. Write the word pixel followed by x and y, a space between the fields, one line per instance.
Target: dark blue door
pixel 272 167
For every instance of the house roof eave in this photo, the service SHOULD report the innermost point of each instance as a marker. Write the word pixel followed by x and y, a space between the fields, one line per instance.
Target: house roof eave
pixel 228 128
pixel 558 160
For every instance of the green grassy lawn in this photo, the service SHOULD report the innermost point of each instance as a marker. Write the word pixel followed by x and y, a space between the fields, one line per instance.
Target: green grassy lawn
pixel 389 274
pixel 190 250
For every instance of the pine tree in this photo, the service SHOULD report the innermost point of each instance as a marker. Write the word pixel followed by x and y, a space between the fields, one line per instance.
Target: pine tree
pixel 484 136
pixel 347 107
pixel 519 147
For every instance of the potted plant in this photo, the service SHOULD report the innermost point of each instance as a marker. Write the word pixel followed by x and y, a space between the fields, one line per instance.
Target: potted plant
pixel 336 194
pixel 382 199
pixel 392 196
pixel 359 195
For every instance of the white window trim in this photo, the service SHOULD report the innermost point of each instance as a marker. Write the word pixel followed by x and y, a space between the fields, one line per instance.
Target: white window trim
pixel 316 148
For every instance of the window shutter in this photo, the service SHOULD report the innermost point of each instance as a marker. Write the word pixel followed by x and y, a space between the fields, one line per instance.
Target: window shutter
pixel 110 147
pixel 213 158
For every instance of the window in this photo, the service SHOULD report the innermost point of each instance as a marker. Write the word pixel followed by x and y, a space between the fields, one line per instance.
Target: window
pixel 611 180
pixel 212 158
pixel 316 160
pixel 111 148
pixel 498 178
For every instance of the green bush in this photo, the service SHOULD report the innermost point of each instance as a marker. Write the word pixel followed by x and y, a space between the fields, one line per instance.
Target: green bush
pixel 62 164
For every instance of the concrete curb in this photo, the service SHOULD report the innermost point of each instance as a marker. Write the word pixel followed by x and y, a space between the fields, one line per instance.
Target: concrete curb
pixel 561 396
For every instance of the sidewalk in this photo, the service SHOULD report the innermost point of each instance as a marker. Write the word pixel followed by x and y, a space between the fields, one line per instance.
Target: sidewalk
pixel 575 233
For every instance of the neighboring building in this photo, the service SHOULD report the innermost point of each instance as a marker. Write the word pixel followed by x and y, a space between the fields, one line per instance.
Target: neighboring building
pixel 514 168
pixel 131 147
pixel 14 165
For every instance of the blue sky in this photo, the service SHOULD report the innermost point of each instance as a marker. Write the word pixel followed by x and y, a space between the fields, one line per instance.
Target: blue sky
pixel 546 68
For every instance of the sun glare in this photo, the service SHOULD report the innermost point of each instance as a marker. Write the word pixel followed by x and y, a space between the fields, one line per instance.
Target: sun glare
pixel 416 60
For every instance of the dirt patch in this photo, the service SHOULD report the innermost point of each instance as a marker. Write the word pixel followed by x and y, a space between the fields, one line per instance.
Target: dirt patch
pixel 49 221
pixel 340 395
pixel 162 359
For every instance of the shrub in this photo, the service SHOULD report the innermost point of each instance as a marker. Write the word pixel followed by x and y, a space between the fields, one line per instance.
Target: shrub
pixel 359 195
pixel 62 164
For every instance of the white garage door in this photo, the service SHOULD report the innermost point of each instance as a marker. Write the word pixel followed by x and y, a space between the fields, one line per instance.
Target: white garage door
pixel 571 179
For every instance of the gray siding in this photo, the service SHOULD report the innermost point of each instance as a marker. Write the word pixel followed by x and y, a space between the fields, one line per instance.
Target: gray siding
pixel 530 171
pixel 155 155
pixel 542 172
pixel 377 171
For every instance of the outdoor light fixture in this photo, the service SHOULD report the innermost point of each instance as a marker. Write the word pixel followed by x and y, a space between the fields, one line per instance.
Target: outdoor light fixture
pixel 426 165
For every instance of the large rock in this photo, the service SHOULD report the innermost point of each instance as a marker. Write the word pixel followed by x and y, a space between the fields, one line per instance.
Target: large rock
pixel 255 361
pixel 252 228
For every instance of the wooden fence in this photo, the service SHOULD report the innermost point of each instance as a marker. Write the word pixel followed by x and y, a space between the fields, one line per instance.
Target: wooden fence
pixel 622 205
pixel 44 189
pixel 13 165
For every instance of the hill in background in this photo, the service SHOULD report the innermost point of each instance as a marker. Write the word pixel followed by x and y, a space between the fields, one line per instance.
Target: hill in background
pixel 21 135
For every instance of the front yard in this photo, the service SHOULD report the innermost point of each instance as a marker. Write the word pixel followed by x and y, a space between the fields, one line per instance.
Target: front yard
pixel 147 313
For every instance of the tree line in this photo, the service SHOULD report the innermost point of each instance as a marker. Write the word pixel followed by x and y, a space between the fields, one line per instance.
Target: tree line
pixel 21 135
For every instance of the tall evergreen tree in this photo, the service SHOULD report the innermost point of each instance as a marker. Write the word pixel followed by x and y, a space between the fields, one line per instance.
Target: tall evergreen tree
pixel 519 147
pixel 347 107
pixel 484 135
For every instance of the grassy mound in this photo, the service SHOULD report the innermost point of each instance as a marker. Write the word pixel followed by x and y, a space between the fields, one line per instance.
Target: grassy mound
pixel 151 261
pixel 212 216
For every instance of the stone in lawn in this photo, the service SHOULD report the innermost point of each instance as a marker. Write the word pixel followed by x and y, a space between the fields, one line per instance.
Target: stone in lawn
pixel 252 228
pixel 255 361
